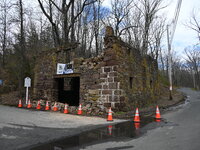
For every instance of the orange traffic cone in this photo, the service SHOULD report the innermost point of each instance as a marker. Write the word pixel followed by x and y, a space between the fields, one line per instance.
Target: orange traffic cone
pixel 66 109
pixel 158 117
pixel 38 105
pixel 110 130
pixel 47 105
pixel 137 116
pixel 29 104
pixel 55 107
pixel 79 110
pixel 110 115
pixel 20 103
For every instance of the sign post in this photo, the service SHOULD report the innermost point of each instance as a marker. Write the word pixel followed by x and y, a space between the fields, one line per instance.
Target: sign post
pixel 27 84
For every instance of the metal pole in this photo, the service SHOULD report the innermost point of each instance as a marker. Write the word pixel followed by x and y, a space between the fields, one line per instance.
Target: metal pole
pixel 26 95
pixel 170 64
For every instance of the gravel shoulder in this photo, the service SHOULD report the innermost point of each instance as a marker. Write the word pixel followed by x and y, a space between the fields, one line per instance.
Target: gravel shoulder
pixel 163 102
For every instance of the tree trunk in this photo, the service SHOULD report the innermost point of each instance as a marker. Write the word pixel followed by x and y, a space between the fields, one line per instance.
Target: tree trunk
pixel 22 46
pixel 4 35
pixel 55 32
pixel 72 22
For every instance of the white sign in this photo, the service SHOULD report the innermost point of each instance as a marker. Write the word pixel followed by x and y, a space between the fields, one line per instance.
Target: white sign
pixel 27 82
pixel 67 71
pixel 64 68
pixel 60 68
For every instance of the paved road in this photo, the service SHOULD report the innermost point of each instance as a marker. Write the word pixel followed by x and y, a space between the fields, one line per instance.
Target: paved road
pixel 182 132
pixel 21 128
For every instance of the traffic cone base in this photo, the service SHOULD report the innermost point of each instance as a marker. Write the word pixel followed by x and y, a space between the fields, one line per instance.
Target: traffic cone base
pixel 158 120
pixel 79 110
pixel 20 103
pixel 137 116
pixel 110 118
pixel 137 125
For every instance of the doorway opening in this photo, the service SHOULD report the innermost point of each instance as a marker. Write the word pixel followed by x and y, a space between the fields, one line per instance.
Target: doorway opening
pixel 69 90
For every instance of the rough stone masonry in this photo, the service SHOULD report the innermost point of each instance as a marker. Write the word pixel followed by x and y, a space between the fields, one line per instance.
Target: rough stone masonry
pixel 119 78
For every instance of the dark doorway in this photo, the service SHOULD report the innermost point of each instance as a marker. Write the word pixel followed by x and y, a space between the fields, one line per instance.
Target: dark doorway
pixel 68 90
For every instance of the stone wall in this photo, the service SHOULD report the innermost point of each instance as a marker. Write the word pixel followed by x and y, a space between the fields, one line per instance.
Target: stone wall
pixel 120 77
pixel 44 70
pixel 110 92
pixel 137 75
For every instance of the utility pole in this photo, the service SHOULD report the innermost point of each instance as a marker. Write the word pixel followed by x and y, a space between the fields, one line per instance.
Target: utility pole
pixel 170 64
pixel 170 36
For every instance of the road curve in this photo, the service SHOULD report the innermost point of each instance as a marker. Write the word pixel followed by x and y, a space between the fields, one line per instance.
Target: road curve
pixel 181 132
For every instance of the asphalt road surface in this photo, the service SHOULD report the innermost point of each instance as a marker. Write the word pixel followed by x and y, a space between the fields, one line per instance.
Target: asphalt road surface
pixel 21 128
pixel 181 132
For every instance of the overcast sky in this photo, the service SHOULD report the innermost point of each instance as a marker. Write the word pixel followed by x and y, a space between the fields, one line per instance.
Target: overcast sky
pixel 183 36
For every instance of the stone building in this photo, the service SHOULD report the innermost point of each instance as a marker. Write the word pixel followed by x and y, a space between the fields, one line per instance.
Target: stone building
pixel 120 77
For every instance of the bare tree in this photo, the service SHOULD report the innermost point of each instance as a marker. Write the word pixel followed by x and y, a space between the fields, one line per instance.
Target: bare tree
pixel 96 24
pixel 120 10
pixel 155 39
pixel 22 30
pixel 22 45
pixel 194 23
pixel 69 17
pixel 193 60
pixel 148 9
pixel 5 22
pixel 49 16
